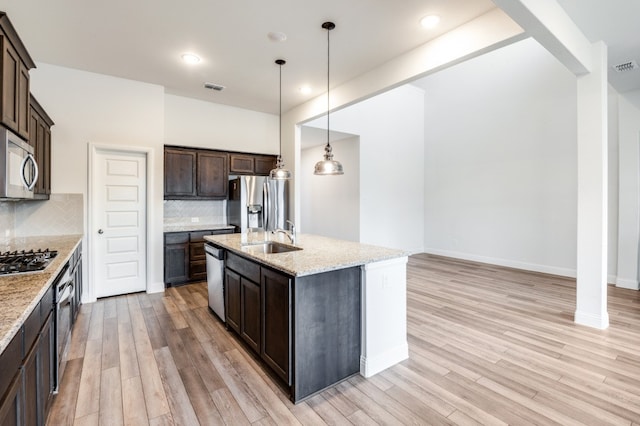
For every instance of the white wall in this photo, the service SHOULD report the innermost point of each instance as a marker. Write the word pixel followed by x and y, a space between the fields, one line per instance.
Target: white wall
pixel 391 130
pixel 330 205
pixel 191 122
pixel 500 160
pixel 94 108
pixel 628 126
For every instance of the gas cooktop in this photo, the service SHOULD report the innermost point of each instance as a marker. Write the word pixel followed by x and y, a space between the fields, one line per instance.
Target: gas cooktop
pixel 15 262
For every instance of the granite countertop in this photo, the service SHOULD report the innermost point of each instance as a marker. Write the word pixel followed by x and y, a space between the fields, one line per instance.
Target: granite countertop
pixel 318 254
pixel 196 227
pixel 21 293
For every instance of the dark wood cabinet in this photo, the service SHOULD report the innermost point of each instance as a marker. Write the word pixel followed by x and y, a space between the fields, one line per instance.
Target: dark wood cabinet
pixel 46 369
pixel 197 257
pixel 30 385
pixel 276 320
pixel 10 404
pixel 250 313
pixel 176 257
pixel 11 381
pixel 40 139
pixel 179 173
pixel 242 302
pixel 37 365
pixel 251 164
pixel 309 327
pixel 184 256
pixel 232 299
pixel 241 164
pixel 26 373
pixel 194 174
pixel 212 179
pixel 263 164
pixel 14 91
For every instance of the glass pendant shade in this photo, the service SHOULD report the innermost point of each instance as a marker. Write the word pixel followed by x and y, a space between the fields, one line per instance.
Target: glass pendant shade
pixel 328 166
pixel 280 173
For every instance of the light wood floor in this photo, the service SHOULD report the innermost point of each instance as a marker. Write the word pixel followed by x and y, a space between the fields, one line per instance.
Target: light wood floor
pixel 488 345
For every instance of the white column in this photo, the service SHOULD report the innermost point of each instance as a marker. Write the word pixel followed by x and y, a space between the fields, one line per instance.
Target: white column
pixel 591 298
pixel 384 315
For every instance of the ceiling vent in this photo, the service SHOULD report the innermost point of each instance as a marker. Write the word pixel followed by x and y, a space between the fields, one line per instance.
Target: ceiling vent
pixel 214 86
pixel 626 66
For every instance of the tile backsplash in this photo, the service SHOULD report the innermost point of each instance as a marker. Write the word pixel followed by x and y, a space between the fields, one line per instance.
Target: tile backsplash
pixel 61 214
pixel 7 218
pixel 188 212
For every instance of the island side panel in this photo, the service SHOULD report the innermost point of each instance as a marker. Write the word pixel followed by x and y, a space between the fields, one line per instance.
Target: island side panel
pixel 326 330
pixel 384 315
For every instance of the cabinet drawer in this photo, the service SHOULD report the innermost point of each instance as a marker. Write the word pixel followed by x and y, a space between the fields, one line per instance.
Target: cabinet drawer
pixel 176 237
pixel 198 270
pixel 196 251
pixel 10 361
pixel 198 236
pixel 46 304
pixel 222 231
pixel 244 267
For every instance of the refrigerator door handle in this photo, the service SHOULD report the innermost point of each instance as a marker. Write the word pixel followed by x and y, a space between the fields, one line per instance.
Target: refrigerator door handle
pixel 266 217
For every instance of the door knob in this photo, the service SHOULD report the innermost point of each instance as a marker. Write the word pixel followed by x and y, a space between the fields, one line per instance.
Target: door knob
pixel 100 231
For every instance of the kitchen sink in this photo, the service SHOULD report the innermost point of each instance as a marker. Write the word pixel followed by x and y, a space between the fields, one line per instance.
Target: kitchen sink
pixel 269 247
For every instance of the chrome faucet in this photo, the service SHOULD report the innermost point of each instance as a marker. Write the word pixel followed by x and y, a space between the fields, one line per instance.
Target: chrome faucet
pixel 291 233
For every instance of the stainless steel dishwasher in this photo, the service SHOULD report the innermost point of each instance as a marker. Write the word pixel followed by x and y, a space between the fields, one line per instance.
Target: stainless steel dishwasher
pixel 215 279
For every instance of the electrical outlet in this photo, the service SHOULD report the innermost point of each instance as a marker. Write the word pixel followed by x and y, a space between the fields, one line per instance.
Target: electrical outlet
pixel 195 219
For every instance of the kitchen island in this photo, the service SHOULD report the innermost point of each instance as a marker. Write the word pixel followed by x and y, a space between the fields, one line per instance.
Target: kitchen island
pixel 318 312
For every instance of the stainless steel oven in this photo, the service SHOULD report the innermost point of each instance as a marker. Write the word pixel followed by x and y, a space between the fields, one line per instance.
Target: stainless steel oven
pixel 65 292
pixel 18 167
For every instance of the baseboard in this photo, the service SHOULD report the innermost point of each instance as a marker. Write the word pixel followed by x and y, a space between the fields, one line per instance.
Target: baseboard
pixel 156 287
pixel 595 321
pixel 534 267
pixel 370 366
pixel 625 283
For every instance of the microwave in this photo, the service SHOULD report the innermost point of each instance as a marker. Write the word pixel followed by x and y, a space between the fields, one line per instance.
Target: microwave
pixel 18 167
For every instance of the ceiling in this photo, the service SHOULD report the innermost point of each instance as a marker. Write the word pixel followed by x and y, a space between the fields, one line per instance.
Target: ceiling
pixel 144 39
pixel 616 23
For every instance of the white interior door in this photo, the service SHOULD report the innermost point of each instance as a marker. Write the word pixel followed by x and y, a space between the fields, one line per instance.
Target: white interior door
pixel 119 222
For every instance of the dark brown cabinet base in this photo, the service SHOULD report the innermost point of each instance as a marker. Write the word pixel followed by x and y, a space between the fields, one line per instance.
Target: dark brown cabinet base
pixel 184 257
pixel 309 327
pixel 28 364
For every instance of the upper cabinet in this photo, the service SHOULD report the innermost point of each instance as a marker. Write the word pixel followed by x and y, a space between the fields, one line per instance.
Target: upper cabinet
pixel 251 164
pixel 14 91
pixel 192 173
pixel 179 173
pixel 40 139
pixel 213 177
pixel 195 174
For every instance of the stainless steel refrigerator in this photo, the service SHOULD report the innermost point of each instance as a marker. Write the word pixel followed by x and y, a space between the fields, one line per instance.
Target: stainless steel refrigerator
pixel 257 203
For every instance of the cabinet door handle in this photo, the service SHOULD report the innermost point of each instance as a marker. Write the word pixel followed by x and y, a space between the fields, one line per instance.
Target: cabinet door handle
pixel 100 231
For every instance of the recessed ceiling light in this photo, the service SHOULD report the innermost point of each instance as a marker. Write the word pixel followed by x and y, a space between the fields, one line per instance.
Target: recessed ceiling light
pixel 277 36
pixel 190 58
pixel 430 21
pixel 305 90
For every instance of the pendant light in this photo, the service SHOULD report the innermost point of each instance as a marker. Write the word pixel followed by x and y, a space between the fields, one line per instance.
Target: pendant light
pixel 280 173
pixel 328 166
